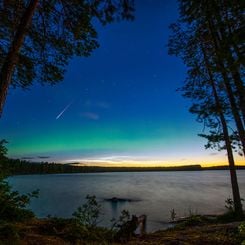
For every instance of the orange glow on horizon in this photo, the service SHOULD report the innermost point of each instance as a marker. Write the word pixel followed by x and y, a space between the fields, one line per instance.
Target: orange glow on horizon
pixel 111 163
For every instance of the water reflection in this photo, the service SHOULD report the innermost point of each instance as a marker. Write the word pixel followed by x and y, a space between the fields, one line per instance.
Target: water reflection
pixel 117 205
pixel 114 209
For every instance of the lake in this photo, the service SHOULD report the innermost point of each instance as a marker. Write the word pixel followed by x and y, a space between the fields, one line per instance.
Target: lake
pixel 154 193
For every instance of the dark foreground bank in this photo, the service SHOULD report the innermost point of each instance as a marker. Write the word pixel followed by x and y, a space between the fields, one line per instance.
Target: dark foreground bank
pixel 57 231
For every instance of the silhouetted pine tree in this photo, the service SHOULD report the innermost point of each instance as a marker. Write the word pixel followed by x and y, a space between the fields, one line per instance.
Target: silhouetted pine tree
pixel 209 81
pixel 38 37
pixel 223 23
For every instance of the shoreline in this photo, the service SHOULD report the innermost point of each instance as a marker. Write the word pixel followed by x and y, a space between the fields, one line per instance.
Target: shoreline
pixel 95 170
pixel 54 231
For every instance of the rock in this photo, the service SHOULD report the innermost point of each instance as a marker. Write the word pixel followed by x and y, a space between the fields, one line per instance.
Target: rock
pixel 116 199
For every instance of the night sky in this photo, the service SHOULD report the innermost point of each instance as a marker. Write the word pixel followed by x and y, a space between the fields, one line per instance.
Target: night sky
pixel 117 107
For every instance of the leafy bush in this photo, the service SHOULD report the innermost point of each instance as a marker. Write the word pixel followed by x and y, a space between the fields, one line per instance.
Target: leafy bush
pixel 173 215
pixel 124 228
pixel 88 214
pixel 229 204
pixel 230 214
pixel 86 220
pixel 226 217
pixel 123 219
pixel 8 232
pixel 13 205
pixel 241 229
pixel 192 220
pixel 3 149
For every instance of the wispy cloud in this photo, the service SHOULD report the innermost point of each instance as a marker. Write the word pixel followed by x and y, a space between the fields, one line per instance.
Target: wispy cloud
pixel 90 115
pixel 214 154
pixel 116 160
pixel 98 104
pixel 183 159
pixel 27 158
pixel 103 104
pixel 35 157
pixel 43 157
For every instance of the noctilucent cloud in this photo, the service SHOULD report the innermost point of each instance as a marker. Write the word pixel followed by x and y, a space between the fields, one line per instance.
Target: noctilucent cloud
pixel 118 107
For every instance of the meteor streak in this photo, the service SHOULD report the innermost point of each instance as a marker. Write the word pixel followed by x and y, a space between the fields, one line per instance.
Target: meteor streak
pixel 61 113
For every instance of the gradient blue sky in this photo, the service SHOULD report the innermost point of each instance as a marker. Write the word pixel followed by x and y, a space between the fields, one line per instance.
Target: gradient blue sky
pixel 121 105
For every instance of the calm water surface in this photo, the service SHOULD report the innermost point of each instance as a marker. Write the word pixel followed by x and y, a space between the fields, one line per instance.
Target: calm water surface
pixel 157 193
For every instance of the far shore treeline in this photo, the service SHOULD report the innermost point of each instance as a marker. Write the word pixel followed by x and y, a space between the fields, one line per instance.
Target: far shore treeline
pixel 21 167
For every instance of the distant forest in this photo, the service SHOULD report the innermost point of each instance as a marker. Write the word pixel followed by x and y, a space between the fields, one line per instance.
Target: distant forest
pixel 19 167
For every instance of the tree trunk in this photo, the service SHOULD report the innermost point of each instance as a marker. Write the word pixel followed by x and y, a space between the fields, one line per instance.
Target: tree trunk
pixel 238 84
pixel 234 182
pixel 235 111
pixel 12 56
pixel 234 68
pixel 228 24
